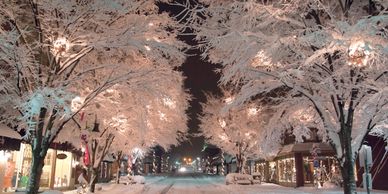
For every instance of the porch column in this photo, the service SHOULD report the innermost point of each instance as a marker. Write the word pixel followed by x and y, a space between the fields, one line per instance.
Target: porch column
pixel 299 169
pixel 266 172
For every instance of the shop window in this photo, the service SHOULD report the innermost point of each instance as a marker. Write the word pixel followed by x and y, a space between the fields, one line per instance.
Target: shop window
pixel 8 171
pixel 63 166
pixel 260 168
pixel 320 169
pixel 24 170
pixel 273 172
pixel 287 170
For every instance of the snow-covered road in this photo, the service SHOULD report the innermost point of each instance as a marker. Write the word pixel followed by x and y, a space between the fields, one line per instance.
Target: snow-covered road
pixel 205 184
pixel 187 183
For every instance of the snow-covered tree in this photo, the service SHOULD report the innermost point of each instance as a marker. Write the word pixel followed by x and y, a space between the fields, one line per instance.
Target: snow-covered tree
pixel 51 49
pixel 123 118
pixel 236 132
pixel 332 55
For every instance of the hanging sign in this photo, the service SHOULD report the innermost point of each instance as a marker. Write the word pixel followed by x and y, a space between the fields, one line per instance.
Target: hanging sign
pixel 61 156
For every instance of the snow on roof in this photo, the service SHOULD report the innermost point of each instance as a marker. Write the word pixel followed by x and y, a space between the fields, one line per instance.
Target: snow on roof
pixel 5 131
pixel 109 158
pixel 305 148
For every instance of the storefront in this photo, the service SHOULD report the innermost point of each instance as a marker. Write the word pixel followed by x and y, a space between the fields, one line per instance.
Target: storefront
pixel 297 165
pixel 57 172
pixel 9 146
pixel 286 171
pixel 262 167
pixel 109 167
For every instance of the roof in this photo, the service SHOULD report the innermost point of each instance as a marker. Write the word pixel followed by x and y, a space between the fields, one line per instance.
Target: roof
pixel 6 131
pixel 109 158
pixel 305 148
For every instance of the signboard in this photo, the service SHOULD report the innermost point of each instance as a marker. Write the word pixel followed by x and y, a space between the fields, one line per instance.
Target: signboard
pixel 61 156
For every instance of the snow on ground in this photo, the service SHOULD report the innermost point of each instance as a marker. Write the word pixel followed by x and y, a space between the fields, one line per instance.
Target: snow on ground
pixel 203 184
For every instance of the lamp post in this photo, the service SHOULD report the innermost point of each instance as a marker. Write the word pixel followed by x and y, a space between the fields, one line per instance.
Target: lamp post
pixel 365 158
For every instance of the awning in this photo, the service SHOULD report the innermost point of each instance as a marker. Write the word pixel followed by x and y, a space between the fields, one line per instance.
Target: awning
pixel 5 131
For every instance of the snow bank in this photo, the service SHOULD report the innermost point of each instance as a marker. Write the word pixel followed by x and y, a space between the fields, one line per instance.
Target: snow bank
pixel 52 192
pixel 329 185
pixel 236 178
pixel 138 179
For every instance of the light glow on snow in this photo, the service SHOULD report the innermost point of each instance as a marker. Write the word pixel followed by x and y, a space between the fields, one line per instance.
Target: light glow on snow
pixel 223 137
pixel 229 100
pixel 76 103
pixel 162 116
pixel 262 60
pixel 359 53
pixel 169 102
pixel 222 123
pixel 60 46
pixel 119 122
pixel 253 111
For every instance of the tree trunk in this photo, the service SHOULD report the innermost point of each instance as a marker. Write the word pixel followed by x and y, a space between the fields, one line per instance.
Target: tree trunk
pixel 118 173
pixel 239 163
pixel 119 155
pixel 347 168
pixel 93 179
pixel 348 177
pixel 36 171
pixel 239 159
pixel 243 165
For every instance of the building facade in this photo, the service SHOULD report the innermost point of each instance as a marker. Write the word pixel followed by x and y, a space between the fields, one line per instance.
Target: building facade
pixel 58 171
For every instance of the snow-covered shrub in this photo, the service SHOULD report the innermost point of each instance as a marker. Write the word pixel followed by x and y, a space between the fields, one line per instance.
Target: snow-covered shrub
pixel 329 185
pixel 138 179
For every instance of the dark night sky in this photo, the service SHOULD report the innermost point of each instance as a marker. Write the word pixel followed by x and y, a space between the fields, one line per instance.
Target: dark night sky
pixel 200 79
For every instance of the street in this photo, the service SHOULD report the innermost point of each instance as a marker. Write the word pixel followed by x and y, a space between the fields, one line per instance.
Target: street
pixel 191 183
pixel 186 183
